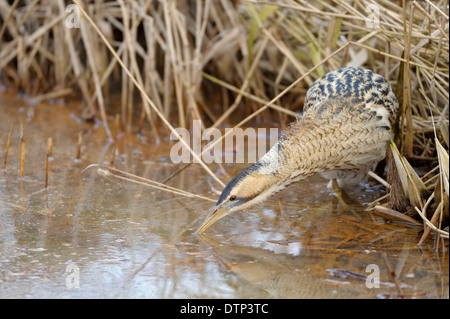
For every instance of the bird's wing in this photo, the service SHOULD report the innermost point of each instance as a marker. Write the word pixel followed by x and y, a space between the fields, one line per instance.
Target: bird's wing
pixel 361 85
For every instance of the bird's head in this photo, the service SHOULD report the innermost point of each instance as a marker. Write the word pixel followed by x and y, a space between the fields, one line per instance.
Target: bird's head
pixel 249 187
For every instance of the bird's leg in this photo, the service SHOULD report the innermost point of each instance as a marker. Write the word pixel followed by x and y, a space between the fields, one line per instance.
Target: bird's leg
pixel 347 202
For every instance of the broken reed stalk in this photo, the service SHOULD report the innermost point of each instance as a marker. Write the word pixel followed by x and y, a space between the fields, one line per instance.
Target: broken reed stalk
pixel 80 140
pixel 22 151
pixel 48 155
pixel 46 171
pixel 7 150
pixel 50 147
pixel 70 205
pixel 105 171
pixel 113 156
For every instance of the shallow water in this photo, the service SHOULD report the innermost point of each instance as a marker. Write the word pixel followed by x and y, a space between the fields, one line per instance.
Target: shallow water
pixel 123 240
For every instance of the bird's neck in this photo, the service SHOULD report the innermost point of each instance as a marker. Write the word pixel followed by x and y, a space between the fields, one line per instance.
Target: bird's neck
pixel 300 152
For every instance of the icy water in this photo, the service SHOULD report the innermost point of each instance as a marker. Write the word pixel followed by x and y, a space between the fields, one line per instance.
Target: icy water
pixel 123 240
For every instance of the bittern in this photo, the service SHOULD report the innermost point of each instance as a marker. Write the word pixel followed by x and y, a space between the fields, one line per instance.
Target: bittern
pixel 342 135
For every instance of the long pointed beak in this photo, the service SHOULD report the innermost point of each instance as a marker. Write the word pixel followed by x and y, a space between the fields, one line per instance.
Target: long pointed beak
pixel 216 213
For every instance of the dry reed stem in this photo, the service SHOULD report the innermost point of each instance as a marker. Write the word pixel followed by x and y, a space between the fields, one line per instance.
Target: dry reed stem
pixel 106 172
pixel 87 40
pixel 46 170
pixel 391 214
pixel 129 41
pixel 432 19
pixel 22 151
pixel 428 229
pixel 113 155
pixel 48 156
pixel 76 63
pixel 250 96
pixel 430 224
pixel 150 102
pixel 80 141
pixel 50 146
pixel 8 141
pixel 238 99
pixel 70 206
pixel 8 17
pixel 379 179
pixel 53 95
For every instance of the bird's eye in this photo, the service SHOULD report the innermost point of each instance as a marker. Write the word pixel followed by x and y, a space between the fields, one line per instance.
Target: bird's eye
pixel 233 197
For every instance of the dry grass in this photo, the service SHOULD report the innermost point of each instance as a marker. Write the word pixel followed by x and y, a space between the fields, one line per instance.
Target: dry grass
pixel 234 61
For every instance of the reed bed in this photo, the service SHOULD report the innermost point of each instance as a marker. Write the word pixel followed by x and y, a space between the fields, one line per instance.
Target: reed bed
pixel 230 62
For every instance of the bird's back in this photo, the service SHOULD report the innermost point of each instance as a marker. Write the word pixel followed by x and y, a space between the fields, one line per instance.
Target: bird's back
pixel 346 124
pixel 362 86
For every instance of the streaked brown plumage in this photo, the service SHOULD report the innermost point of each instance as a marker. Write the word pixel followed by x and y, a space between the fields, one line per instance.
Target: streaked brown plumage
pixel 342 135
